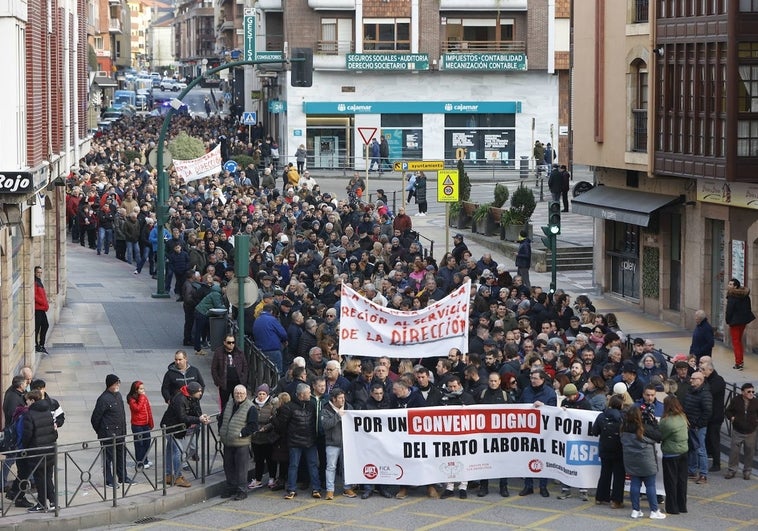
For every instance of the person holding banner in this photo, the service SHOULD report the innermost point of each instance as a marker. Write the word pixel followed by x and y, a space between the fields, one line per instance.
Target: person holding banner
pixel 539 393
pixel 456 396
pixel 331 422
pixel 493 394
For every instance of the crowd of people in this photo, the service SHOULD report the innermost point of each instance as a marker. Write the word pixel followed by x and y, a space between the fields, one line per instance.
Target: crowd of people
pixel 525 345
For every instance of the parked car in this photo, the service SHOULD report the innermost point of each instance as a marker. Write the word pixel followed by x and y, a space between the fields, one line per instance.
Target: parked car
pixel 167 83
pixel 179 86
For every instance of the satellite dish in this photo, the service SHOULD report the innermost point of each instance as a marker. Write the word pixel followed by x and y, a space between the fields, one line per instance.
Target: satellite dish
pixel 250 288
pixel 152 158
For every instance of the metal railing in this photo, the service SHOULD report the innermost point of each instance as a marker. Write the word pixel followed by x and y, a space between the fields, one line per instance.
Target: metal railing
pixel 455 46
pixel 639 138
pixel 334 47
pixel 79 468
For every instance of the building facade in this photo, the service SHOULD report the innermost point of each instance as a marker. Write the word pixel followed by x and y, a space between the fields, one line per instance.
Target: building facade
pixel 664 112
pixel 45 106
pixel 438 79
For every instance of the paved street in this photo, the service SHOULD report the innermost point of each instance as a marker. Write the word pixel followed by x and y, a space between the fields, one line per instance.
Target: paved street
pixel 111 324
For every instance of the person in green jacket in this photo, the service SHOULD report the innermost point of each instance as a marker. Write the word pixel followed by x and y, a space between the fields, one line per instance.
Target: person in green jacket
pixel 674 426
pixel 214 299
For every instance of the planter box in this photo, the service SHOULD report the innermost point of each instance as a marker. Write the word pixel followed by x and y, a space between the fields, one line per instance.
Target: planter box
pixel 511 232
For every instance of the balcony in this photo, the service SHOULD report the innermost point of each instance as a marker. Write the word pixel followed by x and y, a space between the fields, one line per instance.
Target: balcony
pixel 483 46
pixel 114 2
pixel 227 25
pixel 343 5
pixel 334 47
pixel 114 25
pixel 483 5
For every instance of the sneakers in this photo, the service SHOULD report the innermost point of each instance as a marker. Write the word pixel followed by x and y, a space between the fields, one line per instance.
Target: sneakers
pixel 271 483
pixel 37 509
pixel 657 515
pixel 432 492
pixel 583 495
pixel 746 475
pixel 738 367
pixel 255 484
pixel 637 514
pixel 290 495
pixel 330 495
pixel 349 493
pixel 316 494
pixel 402 493
pixel 565 494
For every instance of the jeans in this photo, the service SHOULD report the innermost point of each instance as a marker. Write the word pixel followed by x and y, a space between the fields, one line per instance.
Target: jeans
pixel 529 483
pixel 698 459
pixel 141 443
pixel 276 358
pixel 311 459
pixel 132 252
pixel 104 239
pixel 332 458
pixel 174 451
pixel 634 492
pixel 145 254
pixel 201 323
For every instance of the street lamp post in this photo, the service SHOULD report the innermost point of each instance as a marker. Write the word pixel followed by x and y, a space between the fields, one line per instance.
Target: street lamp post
pixel 162 206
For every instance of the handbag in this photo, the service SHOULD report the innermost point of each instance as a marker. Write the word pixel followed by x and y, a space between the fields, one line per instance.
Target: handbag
pixel 693 441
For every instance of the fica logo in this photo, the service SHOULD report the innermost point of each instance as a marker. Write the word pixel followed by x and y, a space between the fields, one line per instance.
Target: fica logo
pixel 341 107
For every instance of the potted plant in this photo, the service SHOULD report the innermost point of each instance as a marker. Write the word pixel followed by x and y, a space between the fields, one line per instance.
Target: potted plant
pixel 479 218
pixel 518 215
pixel 501 195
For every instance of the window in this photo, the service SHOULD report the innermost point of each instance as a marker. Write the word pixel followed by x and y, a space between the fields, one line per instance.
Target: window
pixel 747 138
pixel 641 8
pixel 749 6
pixel 336 36
pixel 98 43
pixel 386 34
pixel 480 35
pixel 639 106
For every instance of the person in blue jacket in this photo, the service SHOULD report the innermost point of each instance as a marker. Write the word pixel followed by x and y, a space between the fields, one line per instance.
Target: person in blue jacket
pixel 270 336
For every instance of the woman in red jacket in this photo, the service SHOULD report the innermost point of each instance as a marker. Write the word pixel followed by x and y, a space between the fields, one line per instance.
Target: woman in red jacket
pixel 142 423
pixel 41 325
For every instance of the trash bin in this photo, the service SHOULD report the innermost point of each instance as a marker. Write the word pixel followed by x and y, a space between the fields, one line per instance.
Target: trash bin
pixel 217 325
pixel 523 167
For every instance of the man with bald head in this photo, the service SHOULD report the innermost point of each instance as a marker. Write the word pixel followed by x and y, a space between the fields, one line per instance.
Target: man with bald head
pixel 698 406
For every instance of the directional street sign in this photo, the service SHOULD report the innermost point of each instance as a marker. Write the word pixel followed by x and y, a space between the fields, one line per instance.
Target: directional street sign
pixel 447 186
pixel 419 165
pixel 249 118
pixel 230 166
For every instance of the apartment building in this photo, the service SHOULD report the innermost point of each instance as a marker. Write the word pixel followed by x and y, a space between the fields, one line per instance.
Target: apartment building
pixel 44 112
pixel 665 111
pixel 109 33
pixel 439 79
pixel 195 36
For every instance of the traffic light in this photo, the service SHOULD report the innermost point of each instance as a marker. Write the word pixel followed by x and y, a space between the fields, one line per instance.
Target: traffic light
pixel 549 240
pixel 302 67
pixel 554 217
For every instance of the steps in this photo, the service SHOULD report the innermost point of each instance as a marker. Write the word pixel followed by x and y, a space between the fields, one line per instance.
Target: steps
pixel 572 258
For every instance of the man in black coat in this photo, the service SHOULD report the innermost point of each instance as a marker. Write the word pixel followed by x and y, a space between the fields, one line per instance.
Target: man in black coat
pixel 717 387
pixel 297 423
pixel 40 432
pixel 698 406
pixel 109 422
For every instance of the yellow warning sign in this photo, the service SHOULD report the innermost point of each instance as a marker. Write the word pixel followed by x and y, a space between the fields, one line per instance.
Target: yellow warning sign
pixel 447 186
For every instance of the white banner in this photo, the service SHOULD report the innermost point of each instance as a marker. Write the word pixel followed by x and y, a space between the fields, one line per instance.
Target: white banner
pixel 367 329
pixel 429 445
pixel 208 164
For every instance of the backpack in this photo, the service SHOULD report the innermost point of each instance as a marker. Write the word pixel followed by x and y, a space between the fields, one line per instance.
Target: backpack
pixel 9 438
pixel 610 436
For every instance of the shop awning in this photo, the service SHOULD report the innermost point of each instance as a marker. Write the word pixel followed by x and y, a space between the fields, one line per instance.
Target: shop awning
pixel 104 82
pixel 618 204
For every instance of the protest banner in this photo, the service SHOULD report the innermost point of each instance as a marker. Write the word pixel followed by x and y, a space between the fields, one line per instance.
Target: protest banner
pixel 208 164
pixel 371 330
pixel 429 445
